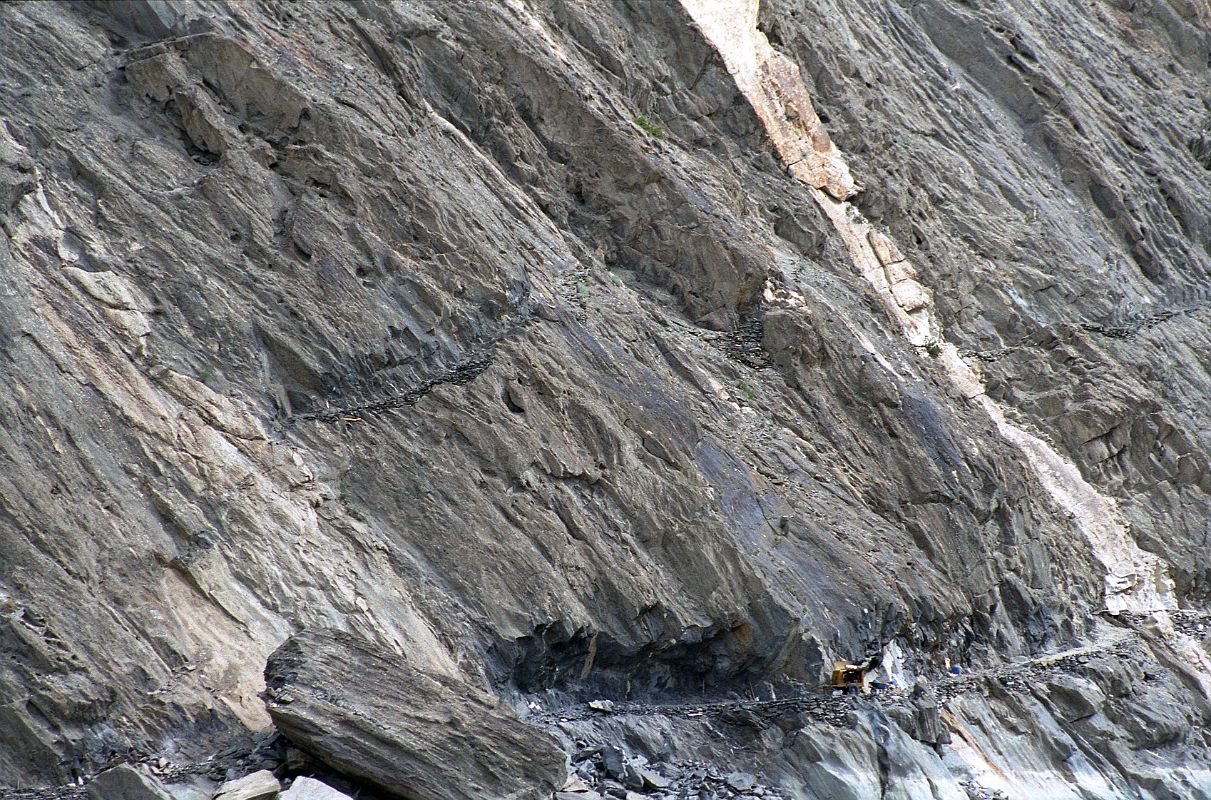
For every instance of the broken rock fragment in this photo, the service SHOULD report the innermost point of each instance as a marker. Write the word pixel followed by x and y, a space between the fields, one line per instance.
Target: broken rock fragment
pixel 311 789
pixel 380 718
pixel 741 781
pixel 125 782
pixel 258 785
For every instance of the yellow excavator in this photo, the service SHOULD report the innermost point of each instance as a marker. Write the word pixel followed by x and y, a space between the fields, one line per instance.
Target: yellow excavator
pixel 851 677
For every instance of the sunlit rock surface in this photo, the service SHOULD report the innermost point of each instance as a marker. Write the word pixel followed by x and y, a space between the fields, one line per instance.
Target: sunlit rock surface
pixel 653 353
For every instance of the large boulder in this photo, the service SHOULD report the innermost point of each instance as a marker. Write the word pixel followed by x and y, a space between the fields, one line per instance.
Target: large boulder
pixel 258 786
pixel 378 717
pixel 311 789
pixel 125 782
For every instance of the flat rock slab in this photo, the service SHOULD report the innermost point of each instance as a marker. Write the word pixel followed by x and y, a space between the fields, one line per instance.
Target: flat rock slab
pixel 254 786
pixel 741 781
pixel 377 717
pixel 311 789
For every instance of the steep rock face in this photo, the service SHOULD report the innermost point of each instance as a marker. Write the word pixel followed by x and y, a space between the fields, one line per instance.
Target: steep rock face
pixel 498 334
pixel 1039 162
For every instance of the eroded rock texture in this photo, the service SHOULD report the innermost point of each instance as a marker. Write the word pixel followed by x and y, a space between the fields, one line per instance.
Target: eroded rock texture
pixel 1040 162
pixel 498 334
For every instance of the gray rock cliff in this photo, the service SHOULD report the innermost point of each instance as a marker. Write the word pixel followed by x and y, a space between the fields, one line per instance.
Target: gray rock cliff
pixel 655 353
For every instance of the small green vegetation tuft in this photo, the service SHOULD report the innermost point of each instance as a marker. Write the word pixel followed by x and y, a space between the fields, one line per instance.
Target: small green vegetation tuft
pixel 649 127
pixel 934 348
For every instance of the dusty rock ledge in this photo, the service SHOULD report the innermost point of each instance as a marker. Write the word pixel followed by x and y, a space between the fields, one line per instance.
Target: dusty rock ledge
pixel 378 717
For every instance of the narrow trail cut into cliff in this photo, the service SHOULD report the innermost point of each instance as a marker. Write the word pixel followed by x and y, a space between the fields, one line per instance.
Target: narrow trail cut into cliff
pixel 1135 580
pixel 832 707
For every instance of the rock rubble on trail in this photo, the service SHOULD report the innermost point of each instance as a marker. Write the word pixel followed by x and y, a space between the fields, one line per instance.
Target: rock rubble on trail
pixel 604 772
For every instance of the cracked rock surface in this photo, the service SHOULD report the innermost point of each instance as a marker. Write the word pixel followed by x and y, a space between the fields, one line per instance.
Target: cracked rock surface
pixel 382 719
pixel 497 337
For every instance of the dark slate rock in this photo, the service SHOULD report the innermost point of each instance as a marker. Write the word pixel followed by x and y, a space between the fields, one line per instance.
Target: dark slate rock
pixel 740 781
pixel 124 782
pixel 377 717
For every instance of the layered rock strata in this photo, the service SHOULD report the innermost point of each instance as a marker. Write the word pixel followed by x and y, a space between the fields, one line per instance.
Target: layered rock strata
pixel 596 351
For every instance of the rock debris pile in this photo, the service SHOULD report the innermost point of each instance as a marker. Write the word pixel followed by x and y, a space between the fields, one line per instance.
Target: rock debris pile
pixel 603 772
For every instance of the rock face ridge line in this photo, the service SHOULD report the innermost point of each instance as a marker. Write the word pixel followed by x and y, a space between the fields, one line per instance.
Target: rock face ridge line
pixel 1135 580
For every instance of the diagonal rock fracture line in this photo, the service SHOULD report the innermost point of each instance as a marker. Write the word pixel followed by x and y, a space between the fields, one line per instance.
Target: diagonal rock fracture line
pixel 1135 580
